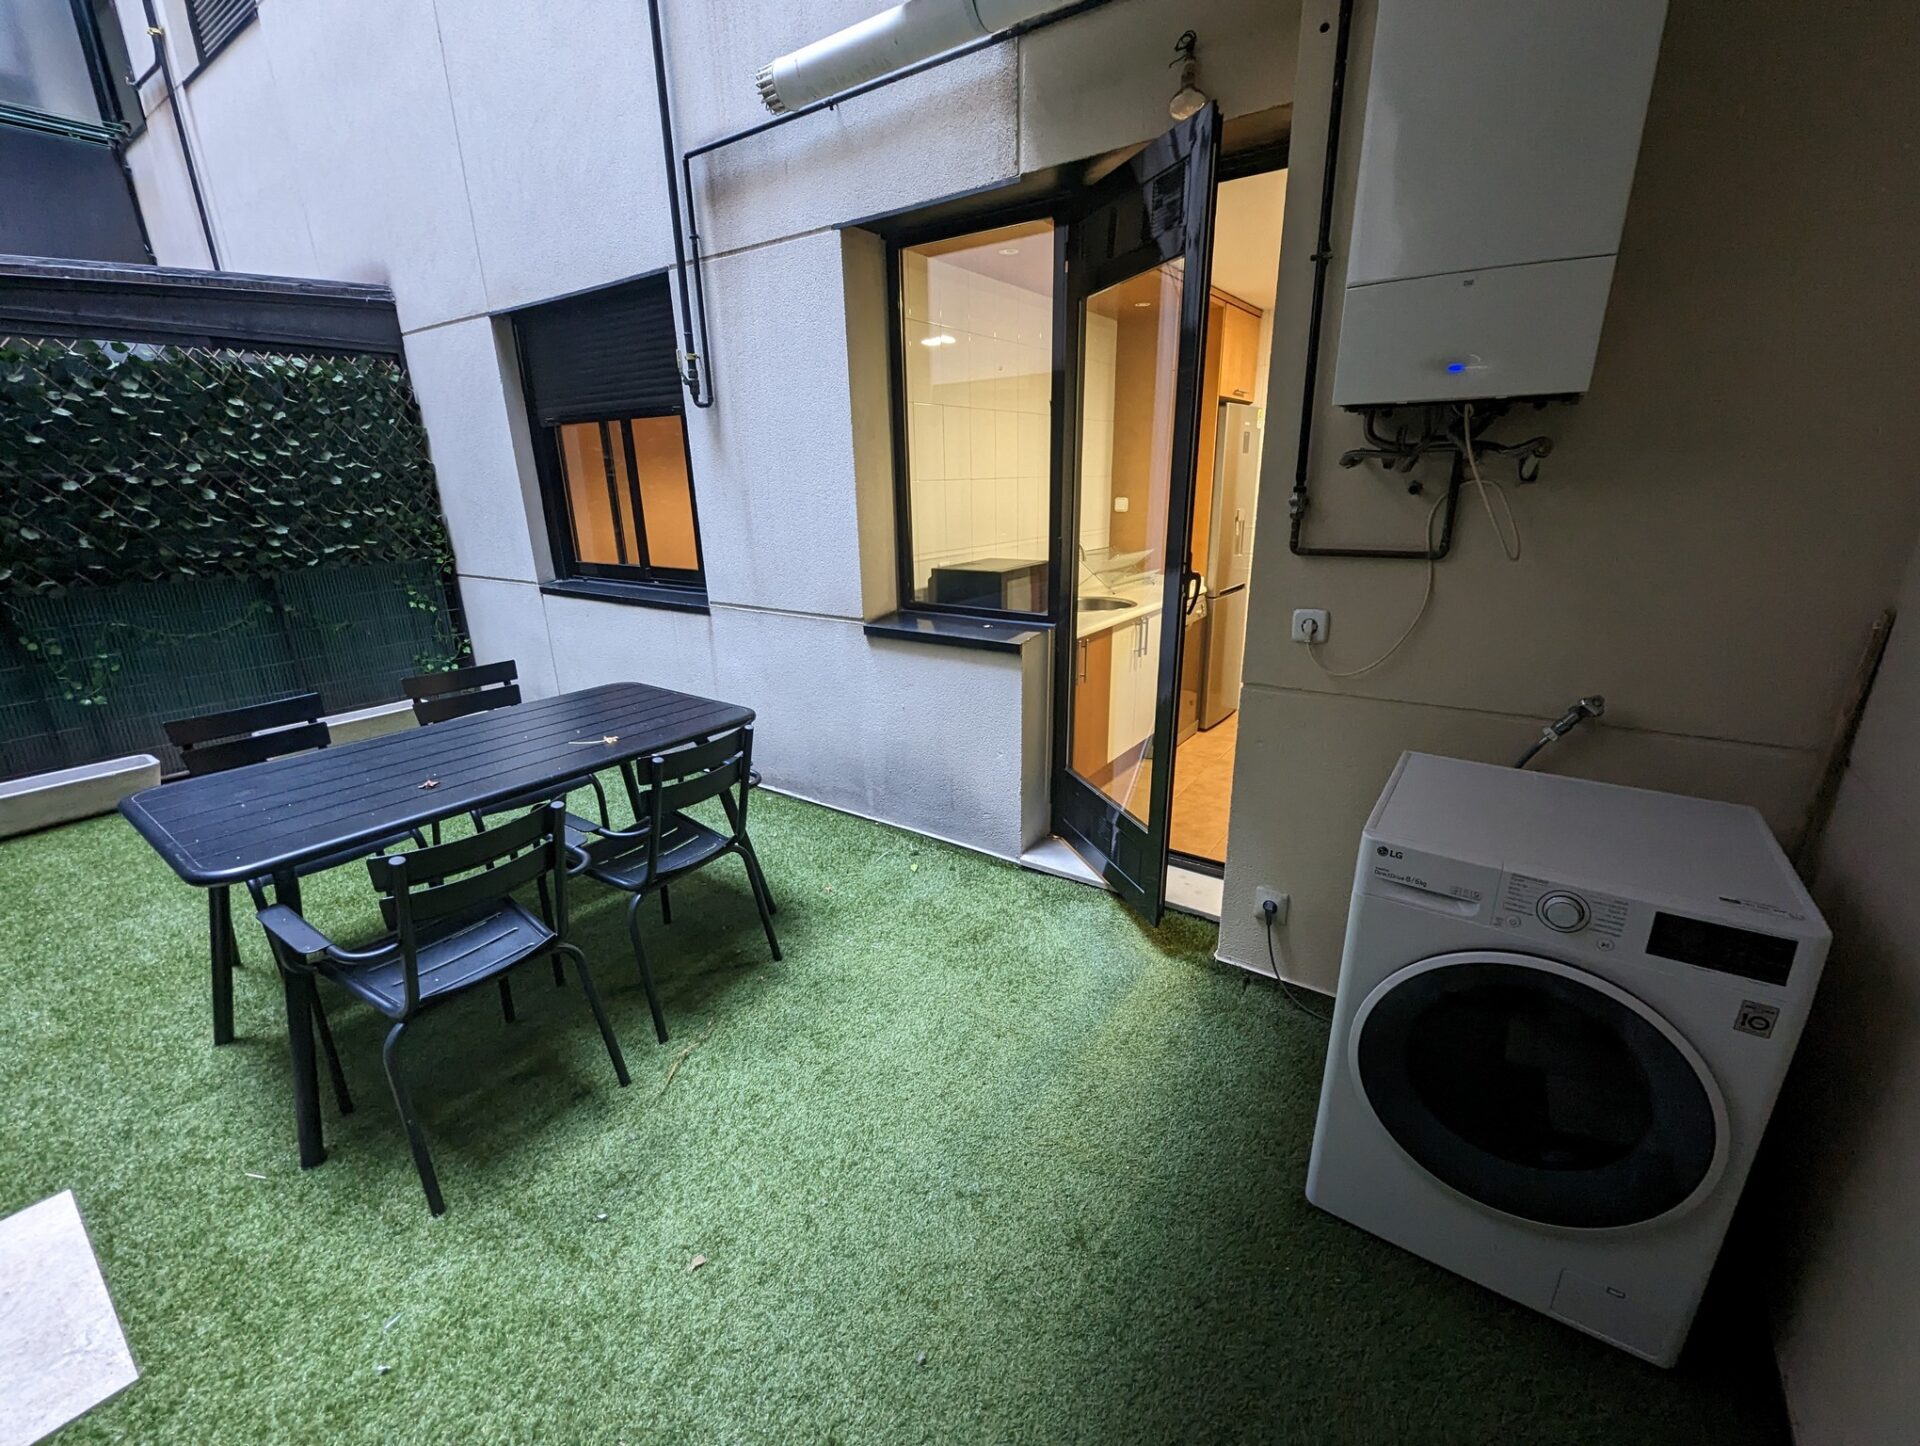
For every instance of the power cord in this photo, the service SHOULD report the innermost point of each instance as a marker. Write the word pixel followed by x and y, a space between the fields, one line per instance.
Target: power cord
pixel 1509 538
pixel 1512 550
pixel 1426 596
pixel 1271 911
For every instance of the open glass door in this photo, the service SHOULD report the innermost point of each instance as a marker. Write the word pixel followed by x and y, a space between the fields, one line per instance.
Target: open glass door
pixel 1131 317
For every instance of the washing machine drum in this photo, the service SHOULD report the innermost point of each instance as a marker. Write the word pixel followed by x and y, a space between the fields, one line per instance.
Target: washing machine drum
pixel 1539 1090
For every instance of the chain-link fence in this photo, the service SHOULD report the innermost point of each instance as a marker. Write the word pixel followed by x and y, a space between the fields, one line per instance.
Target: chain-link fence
pixel 184 529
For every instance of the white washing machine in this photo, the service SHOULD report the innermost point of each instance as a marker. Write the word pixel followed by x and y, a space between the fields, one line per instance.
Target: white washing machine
pixel 1564 1011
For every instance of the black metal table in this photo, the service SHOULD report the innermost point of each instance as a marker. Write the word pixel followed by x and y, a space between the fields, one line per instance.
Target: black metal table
pixel 268 819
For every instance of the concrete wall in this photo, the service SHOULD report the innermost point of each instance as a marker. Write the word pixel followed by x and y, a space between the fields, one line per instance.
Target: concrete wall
pixel 1718 525
pixel 480 155
pixel 1842 1150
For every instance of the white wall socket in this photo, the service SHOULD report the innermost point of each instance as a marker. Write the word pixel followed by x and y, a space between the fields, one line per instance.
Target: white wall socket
pixel 1281 903
pixel 1310 625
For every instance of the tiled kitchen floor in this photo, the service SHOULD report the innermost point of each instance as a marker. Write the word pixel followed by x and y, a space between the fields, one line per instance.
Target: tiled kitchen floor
pixel 1202 791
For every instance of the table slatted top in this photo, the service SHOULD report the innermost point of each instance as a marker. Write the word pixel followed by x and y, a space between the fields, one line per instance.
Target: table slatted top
pixel 224 828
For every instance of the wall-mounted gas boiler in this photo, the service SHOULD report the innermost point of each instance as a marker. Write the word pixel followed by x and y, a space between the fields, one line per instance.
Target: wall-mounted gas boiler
pixel 1496 157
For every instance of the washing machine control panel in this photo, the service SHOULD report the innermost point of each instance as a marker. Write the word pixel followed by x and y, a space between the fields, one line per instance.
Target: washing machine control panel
pixel 1530 903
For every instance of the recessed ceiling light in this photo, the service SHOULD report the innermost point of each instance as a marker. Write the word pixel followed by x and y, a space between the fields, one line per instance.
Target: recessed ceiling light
pixel 1142 305
pixel 1009 250
pixel 941 340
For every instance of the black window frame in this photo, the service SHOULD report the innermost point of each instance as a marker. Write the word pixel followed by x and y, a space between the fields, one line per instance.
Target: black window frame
pixel 638 581
pixel 614 430
pixel 1047 210
pixel 1262 144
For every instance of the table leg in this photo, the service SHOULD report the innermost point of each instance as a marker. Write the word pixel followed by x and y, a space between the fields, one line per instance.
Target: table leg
pixel 220 942
pixel 298 985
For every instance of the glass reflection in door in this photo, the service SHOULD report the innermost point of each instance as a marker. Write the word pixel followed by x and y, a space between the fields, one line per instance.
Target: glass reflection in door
pixel 1130 349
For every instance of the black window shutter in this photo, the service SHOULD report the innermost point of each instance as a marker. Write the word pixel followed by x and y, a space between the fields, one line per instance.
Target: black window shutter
pixel 215 22
pixel 608 353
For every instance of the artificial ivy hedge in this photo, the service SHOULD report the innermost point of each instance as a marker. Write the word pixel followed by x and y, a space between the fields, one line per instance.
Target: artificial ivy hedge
pixel 124 462
pixel 187 529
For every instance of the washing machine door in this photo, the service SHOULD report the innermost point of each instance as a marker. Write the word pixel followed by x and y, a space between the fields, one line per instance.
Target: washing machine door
pixel 1539 1090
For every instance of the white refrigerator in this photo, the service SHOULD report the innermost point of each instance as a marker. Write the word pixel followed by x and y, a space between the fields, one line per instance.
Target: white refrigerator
pixel 1223 631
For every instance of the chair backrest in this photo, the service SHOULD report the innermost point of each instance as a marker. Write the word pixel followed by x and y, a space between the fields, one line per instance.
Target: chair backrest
pixel 216 742
pixel 716 768
pixel 469 875
pixel 440 696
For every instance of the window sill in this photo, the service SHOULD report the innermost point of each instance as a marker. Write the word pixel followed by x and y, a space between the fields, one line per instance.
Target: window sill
pixel 947 630
pixel 631 594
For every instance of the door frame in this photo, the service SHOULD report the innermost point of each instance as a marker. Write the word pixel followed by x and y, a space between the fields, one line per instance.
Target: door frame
pixel 1132 858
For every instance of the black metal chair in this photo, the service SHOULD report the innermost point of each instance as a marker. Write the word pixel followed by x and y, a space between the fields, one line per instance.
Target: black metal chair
pixel 436 697
pixel 233 738
pixel 665 842
pixel 455 927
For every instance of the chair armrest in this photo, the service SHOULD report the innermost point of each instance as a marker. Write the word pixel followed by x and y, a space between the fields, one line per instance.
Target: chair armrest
pixel 638 831
pixel 294 934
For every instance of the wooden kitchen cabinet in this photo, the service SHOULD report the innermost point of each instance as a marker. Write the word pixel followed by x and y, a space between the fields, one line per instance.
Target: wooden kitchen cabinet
pixel 1093 685
pixel 1239 351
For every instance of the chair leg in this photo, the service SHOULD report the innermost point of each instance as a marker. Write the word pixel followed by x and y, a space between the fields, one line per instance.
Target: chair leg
pixel 341 1099
pixel 766 890
pixel 758 883
pixel 599 1013
pixel 666 909
pixel 422 1161
pixel 222 948
pixel 646 974
pixel 546 912
pixel 506 999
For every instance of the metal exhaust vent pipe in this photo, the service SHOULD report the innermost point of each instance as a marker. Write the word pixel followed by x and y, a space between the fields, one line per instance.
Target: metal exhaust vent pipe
pixel 886 42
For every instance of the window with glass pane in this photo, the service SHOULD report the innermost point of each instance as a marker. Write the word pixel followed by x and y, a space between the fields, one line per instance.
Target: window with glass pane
pixel 976 318
pixel 629 498
pixel 43 62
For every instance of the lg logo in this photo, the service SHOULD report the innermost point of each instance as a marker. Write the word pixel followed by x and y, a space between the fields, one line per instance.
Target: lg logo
pixel 1387 853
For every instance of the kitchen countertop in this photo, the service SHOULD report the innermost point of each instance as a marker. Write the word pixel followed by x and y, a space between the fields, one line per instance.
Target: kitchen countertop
pixel 1147 595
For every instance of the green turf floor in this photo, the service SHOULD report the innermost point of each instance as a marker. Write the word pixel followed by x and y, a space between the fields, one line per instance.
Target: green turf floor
pixel 983 1160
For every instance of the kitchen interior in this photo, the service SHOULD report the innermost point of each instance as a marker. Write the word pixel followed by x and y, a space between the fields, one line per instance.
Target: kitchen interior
pixel 1127 408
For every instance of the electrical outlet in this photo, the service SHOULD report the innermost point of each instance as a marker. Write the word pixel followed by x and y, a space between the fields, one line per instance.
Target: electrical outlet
pixel 1310 625
pixel 1280 901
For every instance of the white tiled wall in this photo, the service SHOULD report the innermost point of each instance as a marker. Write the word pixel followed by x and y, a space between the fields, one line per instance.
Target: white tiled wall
pixel 1096 433
pixel 979 409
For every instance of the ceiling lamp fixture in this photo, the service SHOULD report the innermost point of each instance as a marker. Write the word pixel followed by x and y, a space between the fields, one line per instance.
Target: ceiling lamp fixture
pixel 1189 98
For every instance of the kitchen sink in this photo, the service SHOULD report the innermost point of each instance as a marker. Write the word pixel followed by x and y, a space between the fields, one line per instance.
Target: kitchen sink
pixel 1106 604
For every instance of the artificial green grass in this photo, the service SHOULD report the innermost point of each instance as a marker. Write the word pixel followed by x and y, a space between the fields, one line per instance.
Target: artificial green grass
pixel 982 1160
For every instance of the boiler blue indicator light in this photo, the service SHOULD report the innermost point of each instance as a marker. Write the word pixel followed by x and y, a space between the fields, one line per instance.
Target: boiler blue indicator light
pixel 1456 366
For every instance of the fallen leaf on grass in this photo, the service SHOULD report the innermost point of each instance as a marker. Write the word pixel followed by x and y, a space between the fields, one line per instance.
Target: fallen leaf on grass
pixel 681 1058
pixel 696 1263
